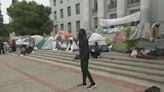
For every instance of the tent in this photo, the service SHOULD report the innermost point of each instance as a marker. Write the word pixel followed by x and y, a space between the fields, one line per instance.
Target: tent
pixel 37 38
pixel 23 41
pixel 49 44
pixel 95 37
pixel 63 35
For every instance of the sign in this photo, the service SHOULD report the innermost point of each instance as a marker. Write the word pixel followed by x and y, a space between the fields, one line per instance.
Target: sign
pixel 127 19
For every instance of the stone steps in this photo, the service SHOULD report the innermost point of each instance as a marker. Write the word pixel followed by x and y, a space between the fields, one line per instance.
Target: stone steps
pixel 147 70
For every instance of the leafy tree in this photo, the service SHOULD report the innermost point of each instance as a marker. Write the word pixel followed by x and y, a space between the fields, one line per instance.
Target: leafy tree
pixel 29 18
pixel 1 23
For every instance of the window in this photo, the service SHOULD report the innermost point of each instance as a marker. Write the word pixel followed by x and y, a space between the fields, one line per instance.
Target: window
pixel 69 27
pixel 54 2
pixel 61 13
pixel 56 28
pixel 78 8
pixel 61 1
pixel 112 16
pixel 133 1
pixel 96 5
pixel 113 4
pixel 69 11
pixel 95 22
pixel 134 11
pixel 78 26
pixel 95 9
pixel 55 15
pixel 62 27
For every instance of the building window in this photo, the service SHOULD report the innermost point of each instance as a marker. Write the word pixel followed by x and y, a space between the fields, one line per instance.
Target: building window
pixel 61 1
pixel 69 11
pixel 62 27
pixel 96 5
pixel 112 16
pixel 133 1
pixel 134 11
pixel 113 4
pixel 56 28
pixel 95 22
pixel 78 26
pixel 61 13
pixel 55 15
pixel 78 8
pixel 95 9
pixel 54 2
pixel 69 27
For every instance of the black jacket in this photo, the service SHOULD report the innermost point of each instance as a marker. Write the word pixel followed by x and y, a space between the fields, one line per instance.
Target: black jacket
pixel 84 48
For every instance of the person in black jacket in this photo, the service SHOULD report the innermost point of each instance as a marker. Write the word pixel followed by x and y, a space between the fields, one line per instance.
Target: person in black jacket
pixel 2 47
pixel 84 59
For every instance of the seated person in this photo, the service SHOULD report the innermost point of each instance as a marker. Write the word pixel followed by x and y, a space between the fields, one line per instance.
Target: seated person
pixel 95 51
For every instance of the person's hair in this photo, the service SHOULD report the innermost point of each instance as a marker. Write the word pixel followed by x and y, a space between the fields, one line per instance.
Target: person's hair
pixel 82 33
pixel 96 43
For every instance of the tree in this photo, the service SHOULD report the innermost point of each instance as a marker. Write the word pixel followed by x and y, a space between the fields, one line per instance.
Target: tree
pixel 29 18
pixel 1 23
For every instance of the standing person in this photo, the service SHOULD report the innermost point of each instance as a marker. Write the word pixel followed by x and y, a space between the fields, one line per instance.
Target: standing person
pixel 154 32
pixel 84 59
pixel 2 47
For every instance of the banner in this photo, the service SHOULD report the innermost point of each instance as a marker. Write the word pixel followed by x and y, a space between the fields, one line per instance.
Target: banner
pixel 127 19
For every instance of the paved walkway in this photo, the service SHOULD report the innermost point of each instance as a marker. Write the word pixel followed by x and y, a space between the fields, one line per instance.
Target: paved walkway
pixel 21 74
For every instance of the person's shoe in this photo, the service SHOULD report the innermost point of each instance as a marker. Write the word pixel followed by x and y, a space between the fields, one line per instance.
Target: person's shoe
pixel 92 86
pixel 82 85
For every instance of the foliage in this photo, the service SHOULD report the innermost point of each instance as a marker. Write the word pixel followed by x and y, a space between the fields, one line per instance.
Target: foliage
pixel 2 32
pixel 121 47
pixel 108 41
pixel 127 30
pixel 29 18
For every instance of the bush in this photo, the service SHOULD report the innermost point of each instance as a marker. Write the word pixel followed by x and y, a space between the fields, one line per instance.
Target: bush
pixel 108 41
pixel 121 47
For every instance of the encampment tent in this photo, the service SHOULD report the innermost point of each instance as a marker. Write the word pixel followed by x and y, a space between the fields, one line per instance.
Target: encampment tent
pixel 95 37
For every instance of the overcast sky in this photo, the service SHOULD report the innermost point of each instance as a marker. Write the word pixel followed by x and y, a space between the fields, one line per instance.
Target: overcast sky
pixel 6 3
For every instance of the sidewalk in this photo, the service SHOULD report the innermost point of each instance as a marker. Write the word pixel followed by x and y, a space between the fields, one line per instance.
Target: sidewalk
pixel 22 74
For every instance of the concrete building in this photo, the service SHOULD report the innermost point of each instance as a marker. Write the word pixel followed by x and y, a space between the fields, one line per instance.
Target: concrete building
pixel 71 15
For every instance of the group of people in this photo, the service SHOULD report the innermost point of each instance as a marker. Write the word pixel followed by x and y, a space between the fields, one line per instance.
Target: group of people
pixel 27 49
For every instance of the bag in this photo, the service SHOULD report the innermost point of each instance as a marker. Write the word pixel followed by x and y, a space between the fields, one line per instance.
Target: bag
pixel 153 89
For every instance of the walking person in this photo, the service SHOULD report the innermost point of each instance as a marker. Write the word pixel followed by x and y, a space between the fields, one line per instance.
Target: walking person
pixel 84 59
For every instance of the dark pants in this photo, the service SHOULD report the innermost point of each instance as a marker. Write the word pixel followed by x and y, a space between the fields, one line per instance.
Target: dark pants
pixel 2 50
pixel 85 71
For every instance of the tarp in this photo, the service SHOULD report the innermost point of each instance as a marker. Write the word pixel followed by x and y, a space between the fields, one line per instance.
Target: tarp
pixel 127 19
pixel 137 32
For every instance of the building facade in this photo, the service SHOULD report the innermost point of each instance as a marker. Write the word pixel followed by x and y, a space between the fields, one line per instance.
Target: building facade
pixel 71 15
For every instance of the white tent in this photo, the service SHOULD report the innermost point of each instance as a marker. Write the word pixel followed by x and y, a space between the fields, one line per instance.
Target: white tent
pixel 23 41
pixel 37 38
pixel 95 37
